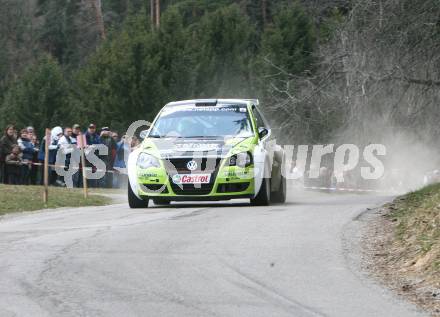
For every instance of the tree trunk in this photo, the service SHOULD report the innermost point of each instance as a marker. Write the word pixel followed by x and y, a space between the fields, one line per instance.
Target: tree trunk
pixel 264 11
pixel 96 4
pixel 152 12
pixel 157 13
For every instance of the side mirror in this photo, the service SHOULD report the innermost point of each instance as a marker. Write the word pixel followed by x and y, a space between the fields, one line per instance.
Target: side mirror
pixel 262 132
pixel 144 134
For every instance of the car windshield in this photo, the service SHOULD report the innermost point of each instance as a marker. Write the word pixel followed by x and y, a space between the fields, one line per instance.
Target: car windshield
pixel 191 121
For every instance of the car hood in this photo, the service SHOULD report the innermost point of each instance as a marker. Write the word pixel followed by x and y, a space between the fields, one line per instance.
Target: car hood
pixel 181 147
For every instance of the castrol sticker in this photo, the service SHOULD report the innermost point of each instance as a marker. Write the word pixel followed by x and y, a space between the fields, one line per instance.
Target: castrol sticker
pixel 191 179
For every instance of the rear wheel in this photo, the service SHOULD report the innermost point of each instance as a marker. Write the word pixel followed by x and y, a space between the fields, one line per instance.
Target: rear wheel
pixel 280 195
pixel 135 202
pixel 263 196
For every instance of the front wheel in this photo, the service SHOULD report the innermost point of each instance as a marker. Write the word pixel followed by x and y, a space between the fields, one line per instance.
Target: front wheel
pixel 263 196
pixel 135 202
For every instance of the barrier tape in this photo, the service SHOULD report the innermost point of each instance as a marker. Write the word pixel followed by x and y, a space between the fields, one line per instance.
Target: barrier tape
pixel 115 170
pixel 348 189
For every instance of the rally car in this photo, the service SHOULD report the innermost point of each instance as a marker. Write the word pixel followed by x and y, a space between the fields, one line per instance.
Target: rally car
pixel 216 149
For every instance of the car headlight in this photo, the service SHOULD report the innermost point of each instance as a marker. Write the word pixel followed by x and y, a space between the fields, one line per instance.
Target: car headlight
pixel 145 161
pixel 243 159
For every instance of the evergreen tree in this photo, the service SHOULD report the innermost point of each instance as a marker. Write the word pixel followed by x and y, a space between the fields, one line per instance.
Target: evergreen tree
pixel 123 81
pixel 290 42
pixel 224 43
pixel 39 98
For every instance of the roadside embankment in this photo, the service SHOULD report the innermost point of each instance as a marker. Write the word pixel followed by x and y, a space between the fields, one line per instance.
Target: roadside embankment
pixel 403 246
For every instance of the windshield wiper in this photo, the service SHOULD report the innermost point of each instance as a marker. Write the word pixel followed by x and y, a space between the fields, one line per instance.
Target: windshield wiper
pixel 200 137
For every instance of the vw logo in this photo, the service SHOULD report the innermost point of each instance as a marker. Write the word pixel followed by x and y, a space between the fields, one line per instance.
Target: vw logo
pixel 191 165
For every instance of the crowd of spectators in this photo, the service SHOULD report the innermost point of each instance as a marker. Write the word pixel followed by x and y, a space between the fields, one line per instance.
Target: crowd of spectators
pixel 22 155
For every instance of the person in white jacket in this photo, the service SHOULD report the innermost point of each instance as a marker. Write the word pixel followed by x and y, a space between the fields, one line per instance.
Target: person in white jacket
pixel 67 144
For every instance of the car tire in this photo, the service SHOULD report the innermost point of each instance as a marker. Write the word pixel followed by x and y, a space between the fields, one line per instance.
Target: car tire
pixel 263 196
pixel 279 196
pixel 135 202
pixel 159 201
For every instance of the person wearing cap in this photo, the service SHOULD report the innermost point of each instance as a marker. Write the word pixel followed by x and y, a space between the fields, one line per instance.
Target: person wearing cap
pixel 30 131
pixel 92 138
pixel 76 129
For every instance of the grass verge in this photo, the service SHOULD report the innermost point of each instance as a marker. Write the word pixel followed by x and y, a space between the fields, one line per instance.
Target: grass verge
pixel 417 231
pixel 29 198
pixel 405 246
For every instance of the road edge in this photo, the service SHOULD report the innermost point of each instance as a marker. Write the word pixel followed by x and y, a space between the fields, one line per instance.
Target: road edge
pixel 353 237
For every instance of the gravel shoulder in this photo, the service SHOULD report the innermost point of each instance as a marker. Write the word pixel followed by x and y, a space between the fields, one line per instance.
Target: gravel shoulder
pixel 396 254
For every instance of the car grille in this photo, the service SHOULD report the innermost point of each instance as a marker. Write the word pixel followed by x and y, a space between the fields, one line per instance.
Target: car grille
pixel 190 189
pixel 204 167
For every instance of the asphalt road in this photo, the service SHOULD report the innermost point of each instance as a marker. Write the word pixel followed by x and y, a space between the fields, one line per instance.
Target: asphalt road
pixel 297 259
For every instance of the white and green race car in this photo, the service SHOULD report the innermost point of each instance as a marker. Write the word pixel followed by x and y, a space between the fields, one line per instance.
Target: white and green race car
pixel 216 149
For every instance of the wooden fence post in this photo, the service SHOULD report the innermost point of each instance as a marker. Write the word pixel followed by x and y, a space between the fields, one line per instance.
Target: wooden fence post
pixel 81 143
pixel 46 166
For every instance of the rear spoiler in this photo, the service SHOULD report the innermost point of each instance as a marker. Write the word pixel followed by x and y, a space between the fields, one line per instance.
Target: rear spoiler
pixel 254 101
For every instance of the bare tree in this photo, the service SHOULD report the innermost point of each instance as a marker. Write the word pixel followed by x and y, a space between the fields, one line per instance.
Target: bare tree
pixel 97 7
pixel 157 13
pixel 380 70
pixel 264 11
pixel 153 12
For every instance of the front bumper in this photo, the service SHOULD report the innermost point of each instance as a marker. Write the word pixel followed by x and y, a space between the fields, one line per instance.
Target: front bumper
pixel 227 182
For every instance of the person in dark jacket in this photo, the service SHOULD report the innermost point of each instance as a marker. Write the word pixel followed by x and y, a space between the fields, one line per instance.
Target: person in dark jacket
pixel 34 168
pixel 92 139
pixel 28 150
pixel 109 142
pixel 13 164
pixel 122 151
pixel 7 142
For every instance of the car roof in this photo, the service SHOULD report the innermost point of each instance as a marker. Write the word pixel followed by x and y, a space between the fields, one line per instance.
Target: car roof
pixel 213 101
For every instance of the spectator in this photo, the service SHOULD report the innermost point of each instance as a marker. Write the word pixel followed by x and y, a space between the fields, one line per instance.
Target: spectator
pixel 13 163
pixel 34 168
pixel 134 142
pixel 30 130
pixel 115 137
pixel 108 159
pixel 92 139
pixel 122 151
pixel 67 144
pixel 76 130
pixel 55 136
pixel 7 142
pixel 77 177
pixel 27 148
pixel 66 140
